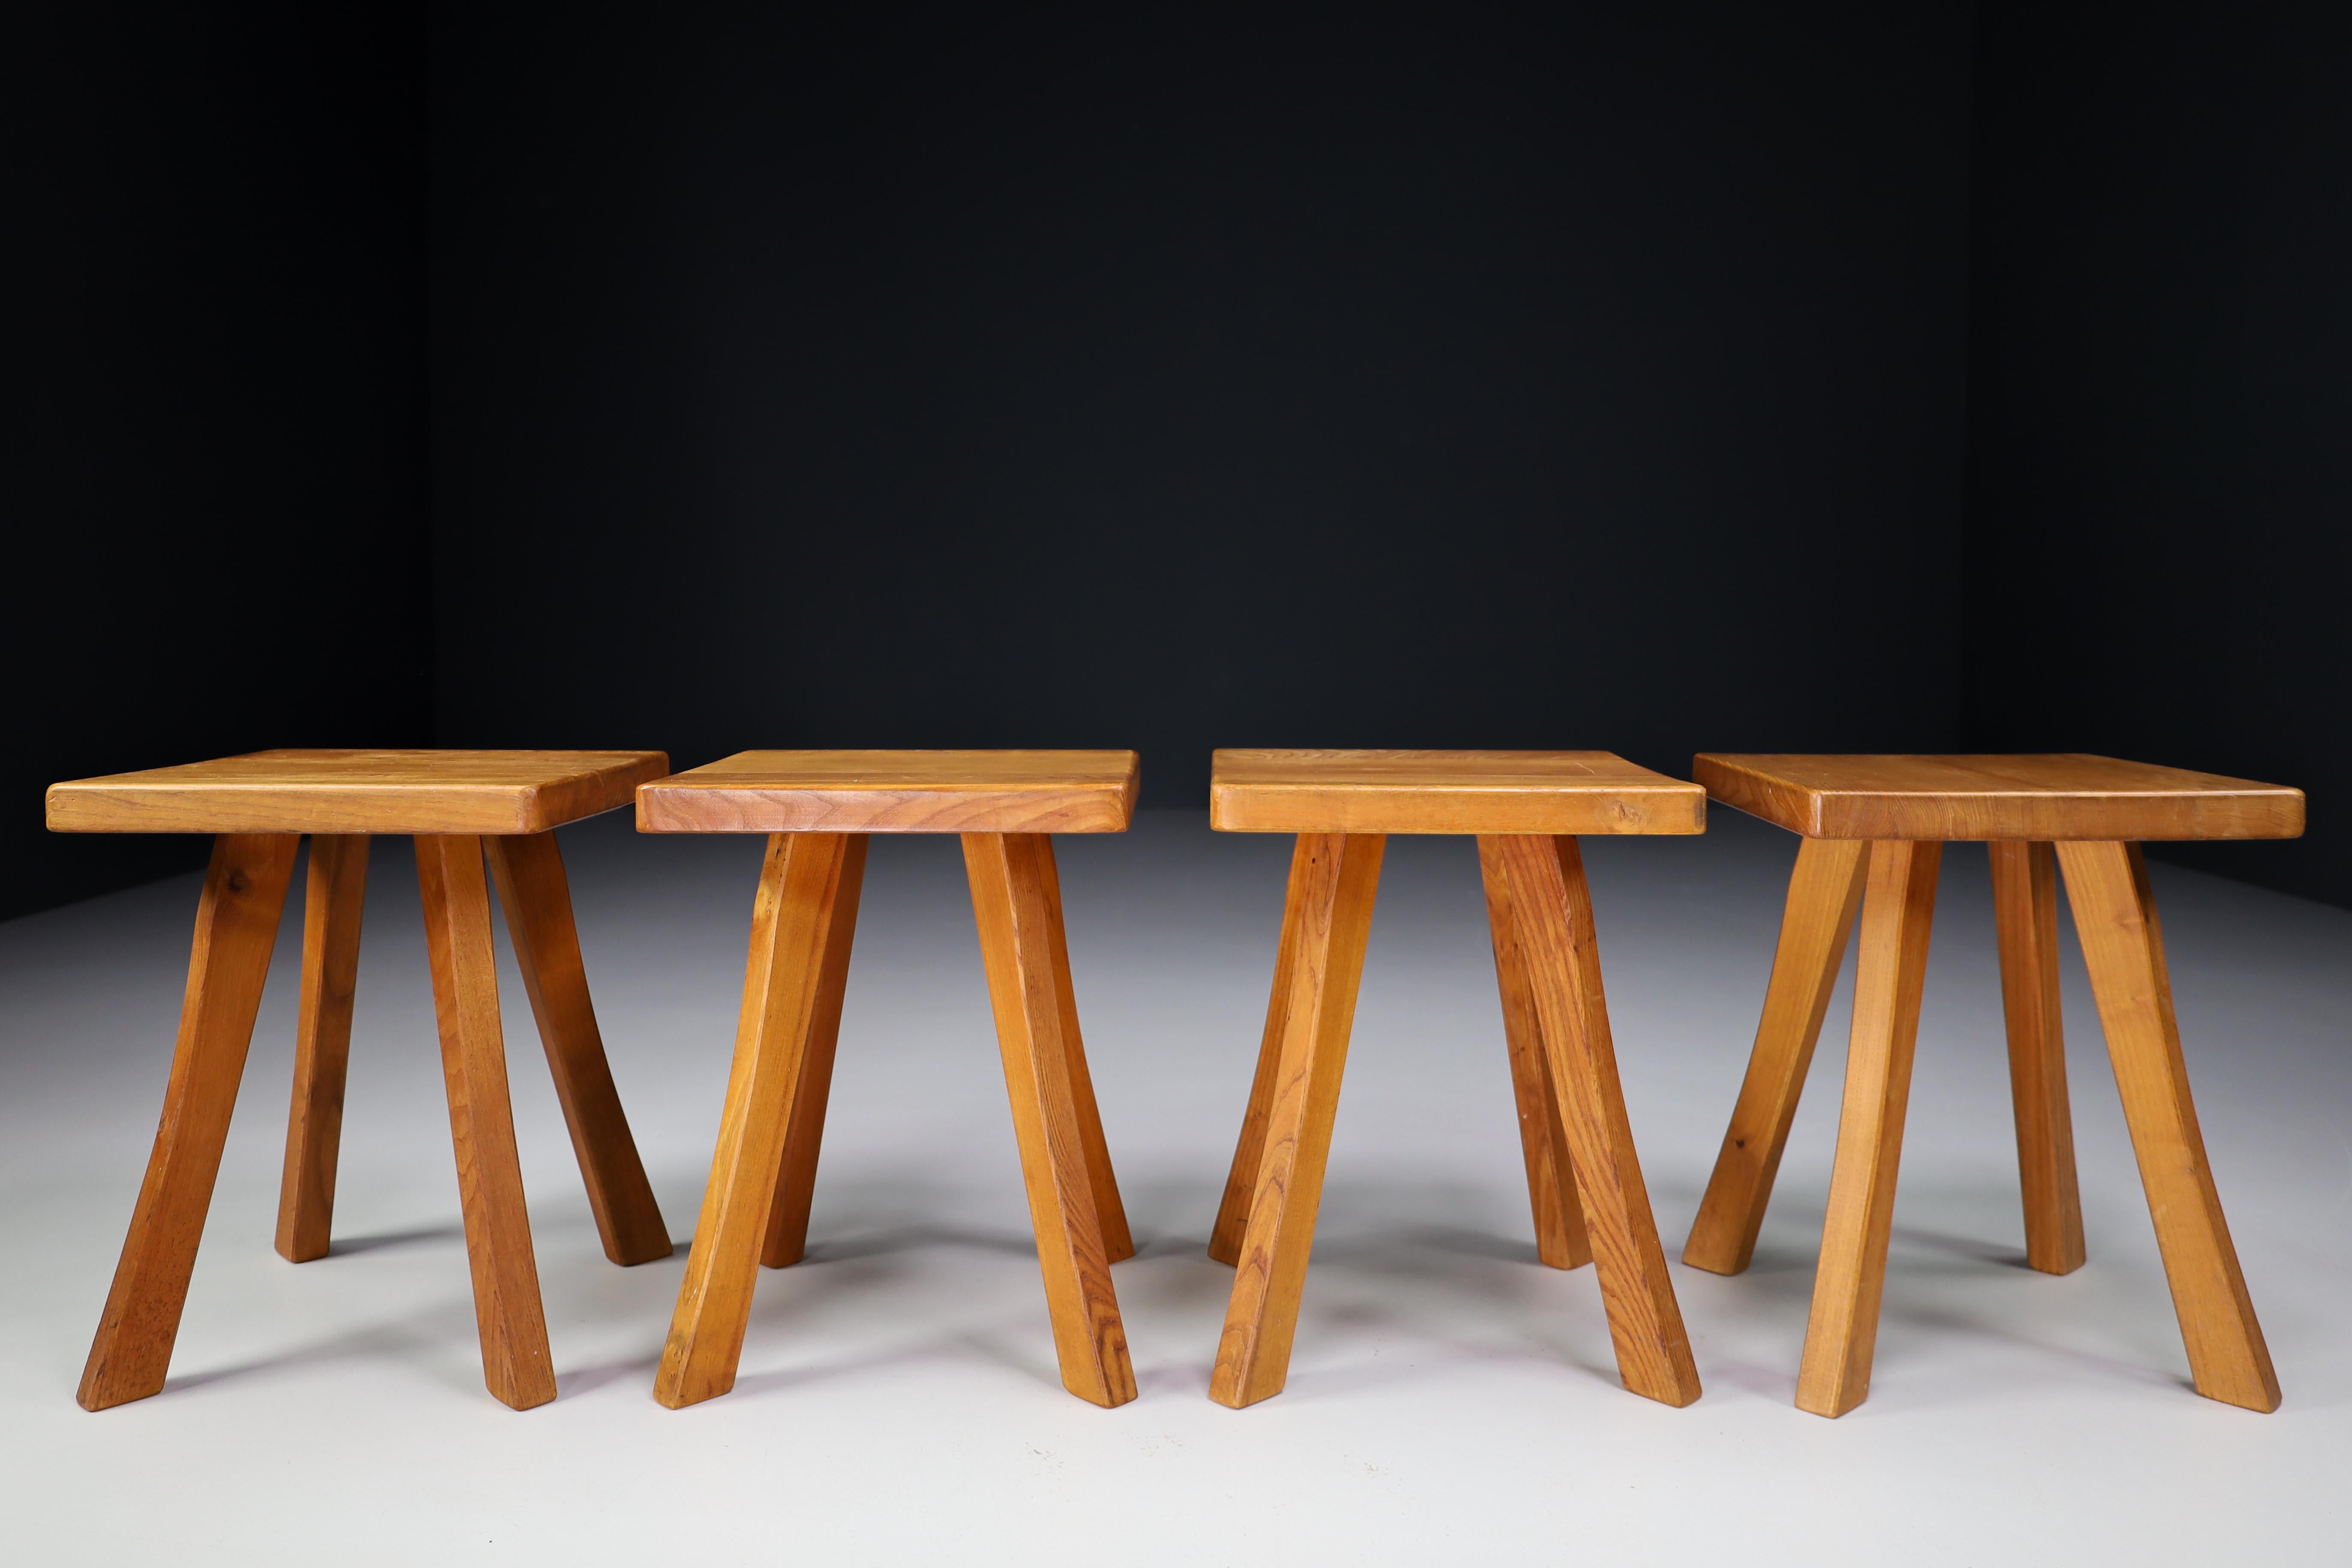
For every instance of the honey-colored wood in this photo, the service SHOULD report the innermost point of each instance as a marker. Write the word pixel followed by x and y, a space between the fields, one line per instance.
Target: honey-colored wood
pixel 1897 913
pixel 1823 894
pixel 1334 880
pixel 2025 918
pixel 1367 792
pixel 346 792
pixel 2065 796
pixel 334 896
pixel 1249 1150
pixel 515 1362
pixel 1119 1242
pixel 1552 921
pixel 236 926
pixel 537 898
pixel 786 1241
pixel 897 792
pixel 793 918
pixel 2123 948
pixel 1023 955
pixel 1560 1240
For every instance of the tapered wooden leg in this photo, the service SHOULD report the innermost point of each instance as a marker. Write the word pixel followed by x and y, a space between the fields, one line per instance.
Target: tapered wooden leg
pixel 792 927
pixel 513 1326
pixel 2025 916
pixel 1249 1150
pixel 1328 918
pixel 2123 948
pixel 236 925
pixel 1898 913
pixel 1823 895
pixel 1118 1243
pixel 788 1216
pixel 1015 917
pixel 334 894
pixel 1551 923
pixel 1561 1240
pixel 537 899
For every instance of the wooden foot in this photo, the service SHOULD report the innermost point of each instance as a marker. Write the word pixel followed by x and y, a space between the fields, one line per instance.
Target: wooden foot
pixel 1823 895
pixel 2025 916
pixel 1551 923
pixel 1561 1240
pixel 1897 913
pixel 515 1362
pixel 1018 932
pixel 334 894
pixel 1118 1243
pixel 786 1240
pixel 800 899
pixel 537 899
pixel 236 926
pixel 1249 1150
pixel 2123 947
pixel 1327 919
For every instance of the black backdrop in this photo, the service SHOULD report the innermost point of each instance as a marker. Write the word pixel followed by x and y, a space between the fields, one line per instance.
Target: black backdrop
pixel 1798 377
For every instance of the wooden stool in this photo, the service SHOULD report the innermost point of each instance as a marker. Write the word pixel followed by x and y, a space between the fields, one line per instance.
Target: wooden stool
pixel 817 808
pixel 1879 822
pixel 457 805
pixel 1527 808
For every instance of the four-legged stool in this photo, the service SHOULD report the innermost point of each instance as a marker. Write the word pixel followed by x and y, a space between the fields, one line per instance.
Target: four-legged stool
pixel 817 808
pixel 459 805
pixel 1527 808
pixel 1874 830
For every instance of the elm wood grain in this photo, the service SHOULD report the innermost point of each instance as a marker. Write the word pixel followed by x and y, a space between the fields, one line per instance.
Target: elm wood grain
pixel 2123 948
pixel 1551 923
pixel 1249 1150
pixel 537 898
pixel 2025 920
pixel 897 792
pixel 792 917
pixel 333 899
pixel 1560 1238
pixel 236 926
pixel 1119 1242
pixel 347 791
pixel 515 1362
pixel 786 1239
pixel 1367 791
pixel 2064 795
pixel 1021 947
pixel 1823 894
pixel 1335 878
pixel 1841 1334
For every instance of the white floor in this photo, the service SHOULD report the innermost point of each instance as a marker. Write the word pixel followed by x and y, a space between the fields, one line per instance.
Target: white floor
pixel 1450 1400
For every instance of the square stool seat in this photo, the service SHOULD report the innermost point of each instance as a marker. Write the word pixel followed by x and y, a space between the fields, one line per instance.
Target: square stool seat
pixel 351 790
pixel 2046 798
pixel 1446 792
pixel 897 792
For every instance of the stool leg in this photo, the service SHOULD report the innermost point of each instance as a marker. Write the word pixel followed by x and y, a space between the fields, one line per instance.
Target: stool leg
pixel 1016 942
pixel 236 925
pixel 1897 913
pixel 1119 1242
pixel 1823 894
pixel 1333 879
pixel 1560 1240
pixel 2123 947
pixel 1551 923
pixel 537 898
pixel 333 896
pixel 515 1362
pixel 1249 1150
pixel 793 922
pixel 2025 917
pixel 788 1215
